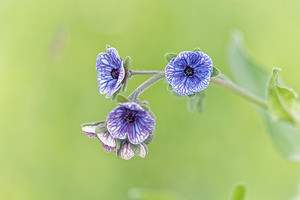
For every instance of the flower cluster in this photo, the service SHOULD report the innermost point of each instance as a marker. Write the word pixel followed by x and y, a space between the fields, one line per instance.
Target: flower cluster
pixel 130 127
pixel 189 72
pixel 128 131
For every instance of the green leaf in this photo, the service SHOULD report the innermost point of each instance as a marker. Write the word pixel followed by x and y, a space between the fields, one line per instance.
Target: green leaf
pixel 282 100
pixel 239 192
pixel 135 148
pixel 215 72
pixel 246 72
pixel 121 98
pixel 169 56
pixel 149 139
pixel 285 136
pixel 250 75
pixel 196 102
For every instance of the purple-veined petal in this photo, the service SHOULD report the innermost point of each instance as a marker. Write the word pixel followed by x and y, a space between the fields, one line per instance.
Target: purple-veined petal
pixel 107 148
pixel 205 59
pixel 118 82
pixel 89 131
pixel 107 139
pixel 201 85
pixel 105 84
pixel 143 151
pixel 115 122
pixel 126 151
pixel 103 61
pixel 113 53
pixel 137 135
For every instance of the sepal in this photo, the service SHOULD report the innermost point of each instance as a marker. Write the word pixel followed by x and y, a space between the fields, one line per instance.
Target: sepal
pixel 215 72
pixel 145 105
pixel 126 64
pixel 107 46
pixel 122 99
pixel 196 49
pixel 150 138
pixel 170 56
pixel 282 101
pixel 136 148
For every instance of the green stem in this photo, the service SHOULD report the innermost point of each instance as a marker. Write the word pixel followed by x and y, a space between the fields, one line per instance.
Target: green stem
pixel 225 82
pixel 220 80
pixel 140 89
pixel 136 72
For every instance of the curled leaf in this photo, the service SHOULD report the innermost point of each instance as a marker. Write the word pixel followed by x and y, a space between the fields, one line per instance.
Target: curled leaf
pixel 282 101
pixel 252 76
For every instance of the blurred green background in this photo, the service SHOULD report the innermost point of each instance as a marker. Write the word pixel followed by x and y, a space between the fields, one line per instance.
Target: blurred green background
pixel 48 88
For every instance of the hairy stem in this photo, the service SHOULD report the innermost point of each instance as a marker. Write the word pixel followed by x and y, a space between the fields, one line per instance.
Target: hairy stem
pixel 136 72
pixel 140 89
pixel 220 80
pixel 225 82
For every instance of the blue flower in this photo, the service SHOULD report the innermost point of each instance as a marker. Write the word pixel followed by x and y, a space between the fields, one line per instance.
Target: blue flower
pixel 111 72
pixel 189 72
pixel 132 120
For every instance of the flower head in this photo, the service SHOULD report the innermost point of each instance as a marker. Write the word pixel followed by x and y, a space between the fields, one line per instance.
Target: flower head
pixel 111 72
pixel 189 72
pixel 121 148
pixel 130 119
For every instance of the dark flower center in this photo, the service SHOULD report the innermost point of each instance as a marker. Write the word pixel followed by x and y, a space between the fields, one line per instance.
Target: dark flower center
pixel 130 118
pixel 114 73
pixel 189 71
